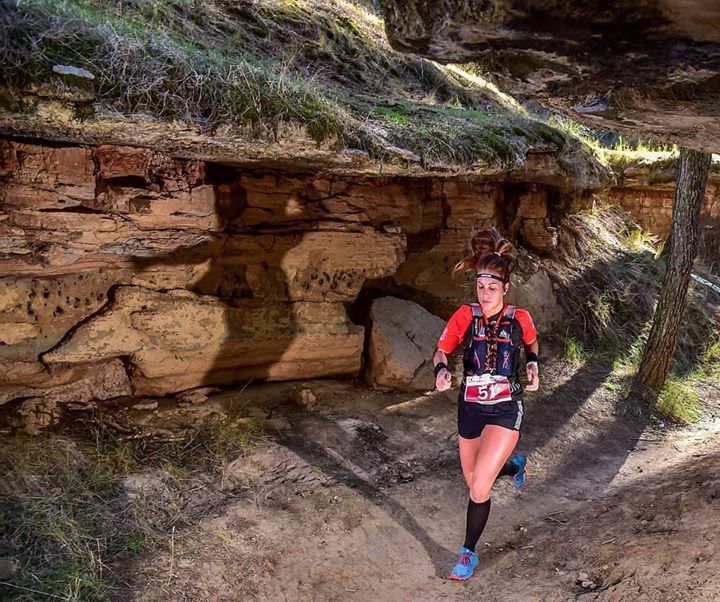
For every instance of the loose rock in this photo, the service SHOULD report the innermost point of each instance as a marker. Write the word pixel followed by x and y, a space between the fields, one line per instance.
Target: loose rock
pixel 196 396
pixel 8 569
pixel 305 398
pixel 146 405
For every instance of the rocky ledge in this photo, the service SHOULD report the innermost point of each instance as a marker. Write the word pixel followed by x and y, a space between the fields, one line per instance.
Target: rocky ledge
pixel 125 271
pixel 650 68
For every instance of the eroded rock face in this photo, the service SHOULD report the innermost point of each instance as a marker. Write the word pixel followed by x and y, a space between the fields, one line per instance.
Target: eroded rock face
pixel 650 67
pixel 521 211
pixel 44 392
pixel 648 197
pixel 178 340
pixel 124 271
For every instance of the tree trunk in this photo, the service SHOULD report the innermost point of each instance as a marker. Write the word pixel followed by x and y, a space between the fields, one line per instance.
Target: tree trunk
pixel 683 241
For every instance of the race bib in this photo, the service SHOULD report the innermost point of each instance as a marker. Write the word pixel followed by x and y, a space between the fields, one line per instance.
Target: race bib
pixel 487 389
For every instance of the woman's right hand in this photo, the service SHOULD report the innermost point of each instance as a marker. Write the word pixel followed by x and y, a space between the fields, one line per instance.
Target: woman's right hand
pixel 533 377
pixel 443 380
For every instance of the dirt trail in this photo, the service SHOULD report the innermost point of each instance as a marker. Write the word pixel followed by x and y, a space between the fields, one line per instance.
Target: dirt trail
pixel 363 499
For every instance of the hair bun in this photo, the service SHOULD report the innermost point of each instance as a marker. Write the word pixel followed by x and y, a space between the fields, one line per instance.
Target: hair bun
pixel 489 250
pixel 484 241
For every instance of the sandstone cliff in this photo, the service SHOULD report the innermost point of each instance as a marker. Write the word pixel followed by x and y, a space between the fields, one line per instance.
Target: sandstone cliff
pixel 126 271
pixel 141 255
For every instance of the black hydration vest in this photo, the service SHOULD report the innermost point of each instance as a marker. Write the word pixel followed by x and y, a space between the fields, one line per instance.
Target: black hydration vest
pixel 507 337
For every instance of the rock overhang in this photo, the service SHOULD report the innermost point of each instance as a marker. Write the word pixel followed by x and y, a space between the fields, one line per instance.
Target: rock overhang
pixel 650 68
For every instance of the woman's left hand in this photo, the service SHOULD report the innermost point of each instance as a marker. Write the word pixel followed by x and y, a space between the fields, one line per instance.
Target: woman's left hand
pixel 533 376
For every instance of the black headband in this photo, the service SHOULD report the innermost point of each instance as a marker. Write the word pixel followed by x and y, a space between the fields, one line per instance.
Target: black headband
pixel 488 275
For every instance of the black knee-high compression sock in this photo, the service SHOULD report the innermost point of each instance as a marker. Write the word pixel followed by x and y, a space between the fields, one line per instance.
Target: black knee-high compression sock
pixel 508 470
pixel 477 516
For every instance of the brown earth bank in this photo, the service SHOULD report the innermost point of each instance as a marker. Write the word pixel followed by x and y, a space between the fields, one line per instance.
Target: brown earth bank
pixel 357 495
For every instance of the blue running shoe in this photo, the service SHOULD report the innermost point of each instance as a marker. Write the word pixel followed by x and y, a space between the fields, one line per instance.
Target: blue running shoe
pixel 518 481
pixel 465 565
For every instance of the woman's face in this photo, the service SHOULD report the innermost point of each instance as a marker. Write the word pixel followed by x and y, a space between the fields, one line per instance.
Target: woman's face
pixel 490 292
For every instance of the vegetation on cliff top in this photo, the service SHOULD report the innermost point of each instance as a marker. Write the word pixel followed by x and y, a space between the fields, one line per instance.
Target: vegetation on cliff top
pixel 259 68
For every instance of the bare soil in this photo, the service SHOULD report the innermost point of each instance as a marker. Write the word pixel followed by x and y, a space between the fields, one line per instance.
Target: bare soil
pixel 360 497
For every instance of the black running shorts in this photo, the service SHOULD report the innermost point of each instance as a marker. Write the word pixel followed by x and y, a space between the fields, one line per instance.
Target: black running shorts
pixel 472 417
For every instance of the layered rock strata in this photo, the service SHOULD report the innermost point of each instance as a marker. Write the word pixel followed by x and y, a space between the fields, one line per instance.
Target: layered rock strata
pixel 124 271
pixel 648 195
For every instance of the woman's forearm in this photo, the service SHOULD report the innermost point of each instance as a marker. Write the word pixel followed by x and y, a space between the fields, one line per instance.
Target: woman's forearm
pixel 440 357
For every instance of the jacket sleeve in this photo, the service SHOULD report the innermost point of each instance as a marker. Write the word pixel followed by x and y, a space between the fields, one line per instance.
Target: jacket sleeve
pixel 455 329
pixel 529 333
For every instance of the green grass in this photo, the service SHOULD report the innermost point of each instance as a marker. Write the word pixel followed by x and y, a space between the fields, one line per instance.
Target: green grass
pixel 629 361
pixel 679 399
pixel 391 115
pixel 263 68
pixel 639 241
pixel 141 66
pixel 604 304
pixel 623 152
pixel 574 351
pixel 68 520
pixel 471 75
pixel 711 359
pixel 679 402
pixel 438 133
pixel 572 128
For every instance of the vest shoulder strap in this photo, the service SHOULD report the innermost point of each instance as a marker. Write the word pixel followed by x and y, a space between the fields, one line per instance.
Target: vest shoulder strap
pixel 508 313
pixel 472 327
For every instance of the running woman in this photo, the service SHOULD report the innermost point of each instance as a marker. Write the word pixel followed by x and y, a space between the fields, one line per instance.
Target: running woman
pixel 490 404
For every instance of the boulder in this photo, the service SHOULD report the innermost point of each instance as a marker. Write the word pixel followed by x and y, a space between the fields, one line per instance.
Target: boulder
pixel 535 293
pixel 403 338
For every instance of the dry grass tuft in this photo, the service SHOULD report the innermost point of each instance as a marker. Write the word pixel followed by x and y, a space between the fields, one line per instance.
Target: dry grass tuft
pixel 73 512
pixel 609 276
pixel 679 402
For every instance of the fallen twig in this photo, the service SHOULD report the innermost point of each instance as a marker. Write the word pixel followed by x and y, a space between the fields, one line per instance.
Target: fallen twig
pixel 34 591
pixel 172 556
pixel 105 421
pixel 555 520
